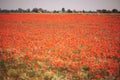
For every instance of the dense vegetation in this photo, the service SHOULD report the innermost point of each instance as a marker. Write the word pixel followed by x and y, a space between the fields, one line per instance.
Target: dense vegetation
pixel 63 10
pixel 59 47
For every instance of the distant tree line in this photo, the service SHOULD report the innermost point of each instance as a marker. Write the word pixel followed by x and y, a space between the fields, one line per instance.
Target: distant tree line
pixel 63 10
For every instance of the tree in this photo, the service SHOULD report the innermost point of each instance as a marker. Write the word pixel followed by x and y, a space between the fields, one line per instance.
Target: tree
pixel 63 10
pixel 20 10
pixel 54 11
pixel 35 10
pixel 99 11
pixel 0 9
pixel 83 11
pixel 28 10
pixel 104 11
pixel 69 11
pixel 40 10
pixel 115 11
pixel 74 11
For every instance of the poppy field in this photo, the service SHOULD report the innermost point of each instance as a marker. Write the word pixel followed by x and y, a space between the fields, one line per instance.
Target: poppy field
pixel 59 47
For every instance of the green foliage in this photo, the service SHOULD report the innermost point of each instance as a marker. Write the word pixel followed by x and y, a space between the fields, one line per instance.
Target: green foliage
pixel 9 71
